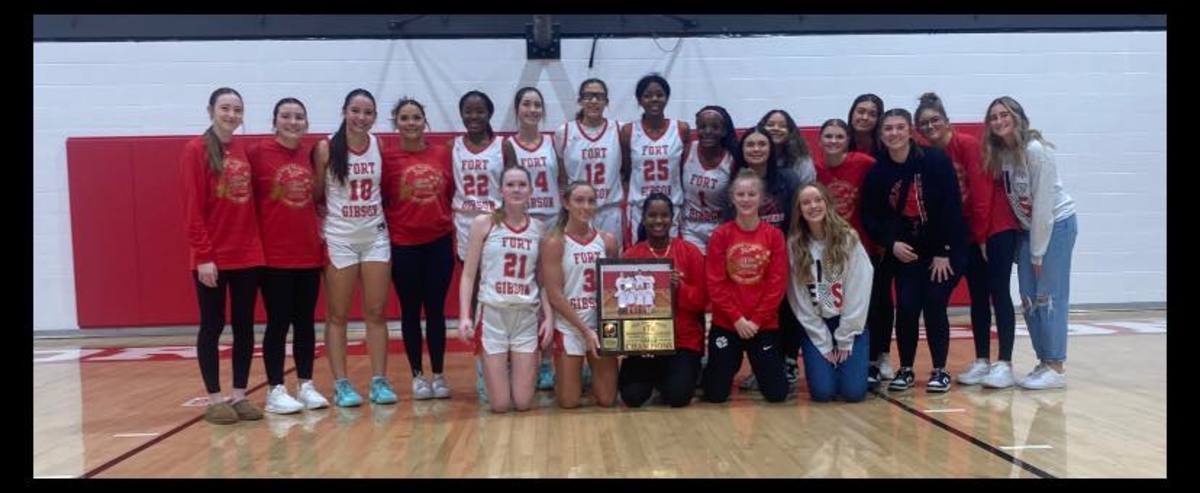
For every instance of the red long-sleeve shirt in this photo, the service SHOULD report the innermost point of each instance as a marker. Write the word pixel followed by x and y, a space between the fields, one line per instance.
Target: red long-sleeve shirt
pixel 220 221
pixel 418 187
pixel 287 216
pixel 691 297
pixel 747 274
pixel 976 187
pixel 845 184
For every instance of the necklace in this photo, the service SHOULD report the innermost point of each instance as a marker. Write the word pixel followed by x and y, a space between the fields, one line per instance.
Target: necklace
pixel 665 254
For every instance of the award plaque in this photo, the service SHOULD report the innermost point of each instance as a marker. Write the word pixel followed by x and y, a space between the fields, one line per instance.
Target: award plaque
pixel 637 306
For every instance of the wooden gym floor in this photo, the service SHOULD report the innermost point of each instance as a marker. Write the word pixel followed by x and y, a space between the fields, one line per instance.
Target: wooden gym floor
pixel 132 407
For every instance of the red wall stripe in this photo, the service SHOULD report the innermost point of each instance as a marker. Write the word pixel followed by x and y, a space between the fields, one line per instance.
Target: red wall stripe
pixel 130 252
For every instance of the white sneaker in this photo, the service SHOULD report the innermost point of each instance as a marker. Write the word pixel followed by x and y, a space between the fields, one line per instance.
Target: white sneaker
pixel 886 372
pixel 1032 373
pixel 999 376
pixel 974 373
pixel 311 398
pixel 279 402
pixel 1046 379
pixel 440 389
pixel 421 389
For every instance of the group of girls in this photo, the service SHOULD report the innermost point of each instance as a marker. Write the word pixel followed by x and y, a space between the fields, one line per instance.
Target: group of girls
pixel 794 253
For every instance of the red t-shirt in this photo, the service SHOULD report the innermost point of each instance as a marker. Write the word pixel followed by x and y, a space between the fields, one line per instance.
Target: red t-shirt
pixel 418 187
pixel 287 216
pixel 747 272
pixel 691 297
pixel 1001 215
pixel 219 213
pixel 845 184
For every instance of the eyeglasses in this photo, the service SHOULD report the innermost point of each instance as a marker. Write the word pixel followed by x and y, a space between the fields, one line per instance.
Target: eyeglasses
pixel 593 96
pixel 937 120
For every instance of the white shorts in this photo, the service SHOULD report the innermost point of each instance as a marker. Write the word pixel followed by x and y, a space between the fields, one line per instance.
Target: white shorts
pixel 462 231
pixel 611 219
pixel 507 328
pixel 342 254
pixel 568 340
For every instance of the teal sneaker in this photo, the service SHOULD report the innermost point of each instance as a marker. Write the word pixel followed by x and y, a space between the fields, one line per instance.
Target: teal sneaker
pixel 381 391
pixel 545 376
pixel 344 394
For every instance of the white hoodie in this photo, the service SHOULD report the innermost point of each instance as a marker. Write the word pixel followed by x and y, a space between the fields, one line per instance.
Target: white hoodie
pixel 846 293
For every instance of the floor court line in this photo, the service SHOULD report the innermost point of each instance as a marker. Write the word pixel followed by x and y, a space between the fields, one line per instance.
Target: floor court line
pixel 156 440
pixel 968 437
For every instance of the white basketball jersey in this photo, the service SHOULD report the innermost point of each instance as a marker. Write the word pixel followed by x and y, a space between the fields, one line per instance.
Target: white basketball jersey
pixel 595 160
pixel 655 163
pixel 508 264
pixel 579 276
pixel 543 167
pixel 477 176
pixel 704 196
pixel 355 213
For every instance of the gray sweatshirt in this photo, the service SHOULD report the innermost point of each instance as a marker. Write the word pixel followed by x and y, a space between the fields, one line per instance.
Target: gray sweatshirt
pixel 1036 195
pixel 846 293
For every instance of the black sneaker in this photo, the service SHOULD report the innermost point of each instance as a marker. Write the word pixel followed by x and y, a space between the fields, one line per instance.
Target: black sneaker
pixel 939 381
pixel 791 370
pixel 872 375
pixel 903 381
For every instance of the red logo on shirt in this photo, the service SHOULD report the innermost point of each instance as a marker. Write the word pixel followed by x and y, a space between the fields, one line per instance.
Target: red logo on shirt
pixel 746 263
pixel 845 198
pixel 420 184
pixel 293 185
pixel 235 181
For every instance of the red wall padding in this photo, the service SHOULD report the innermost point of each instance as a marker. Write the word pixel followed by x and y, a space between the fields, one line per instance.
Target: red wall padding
pixel 131 260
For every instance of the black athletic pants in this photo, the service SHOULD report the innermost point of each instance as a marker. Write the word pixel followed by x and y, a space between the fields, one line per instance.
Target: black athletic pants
pixel 242 285
pixel 421 274
pixel 674 376
pixel 290 297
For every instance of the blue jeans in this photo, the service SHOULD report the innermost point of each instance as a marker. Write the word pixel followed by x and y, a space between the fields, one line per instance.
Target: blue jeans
pixel 825 381
pixel 1045 299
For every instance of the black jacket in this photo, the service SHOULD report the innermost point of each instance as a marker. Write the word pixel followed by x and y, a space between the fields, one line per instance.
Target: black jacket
pixel 776 208
pixel 942 226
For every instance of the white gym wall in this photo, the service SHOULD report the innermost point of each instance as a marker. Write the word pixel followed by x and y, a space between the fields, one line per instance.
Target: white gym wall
pixel 1099 96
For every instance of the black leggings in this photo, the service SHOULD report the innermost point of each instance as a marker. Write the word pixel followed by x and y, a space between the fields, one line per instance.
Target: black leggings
pixel 725 350
pixel 989 281
pixel 674 376
pixel 290 296
pixel 421 274
pixel 881 313
pixel 916 293
pixel 242 285
pixel 789 330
